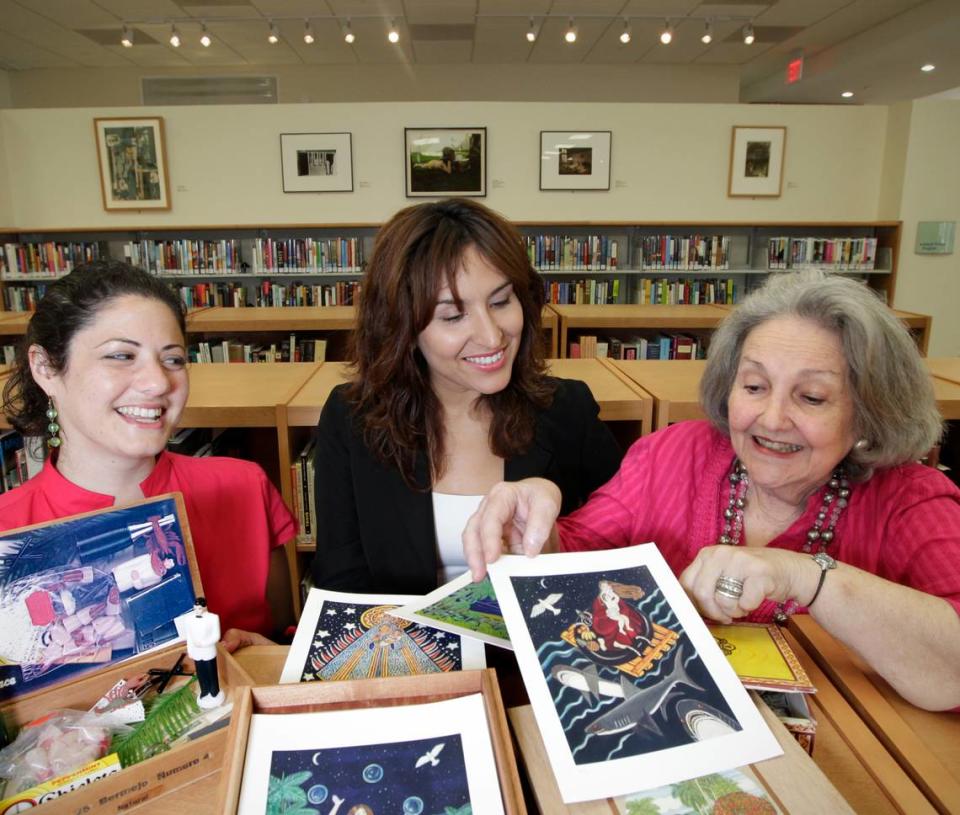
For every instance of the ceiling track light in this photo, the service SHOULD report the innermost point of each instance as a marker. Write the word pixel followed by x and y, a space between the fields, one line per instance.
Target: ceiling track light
pixel 707 37
pixel 532 32
pixel 307 33
pixel 204 36
pixel 748 36
pixel 174 36
pixel 126 37
pixel 570 35
pixel 847 94
pixel 348 36
pixel 274 36
pixel 666 36
pixel 393 35
pixel 625 35
pixel 928 67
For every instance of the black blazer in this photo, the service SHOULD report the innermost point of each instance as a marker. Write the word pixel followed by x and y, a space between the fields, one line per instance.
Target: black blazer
pixel 375 534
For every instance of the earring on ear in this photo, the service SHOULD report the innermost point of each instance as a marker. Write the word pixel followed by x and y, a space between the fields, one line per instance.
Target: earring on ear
pixel 861 444
pixel 53 428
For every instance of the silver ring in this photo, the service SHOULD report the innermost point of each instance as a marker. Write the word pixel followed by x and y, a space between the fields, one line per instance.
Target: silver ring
pixel 729 587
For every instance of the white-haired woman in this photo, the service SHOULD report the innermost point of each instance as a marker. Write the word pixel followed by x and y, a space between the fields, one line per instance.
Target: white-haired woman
pixel 800 493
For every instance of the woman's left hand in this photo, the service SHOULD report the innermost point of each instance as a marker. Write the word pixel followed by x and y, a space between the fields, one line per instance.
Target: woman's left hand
pixel 766 574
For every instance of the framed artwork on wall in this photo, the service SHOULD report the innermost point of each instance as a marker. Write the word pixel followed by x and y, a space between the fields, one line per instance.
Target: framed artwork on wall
pixel 317 162
pixel 575 160
pixel 756 162
pixel 133 163
pixel 445 161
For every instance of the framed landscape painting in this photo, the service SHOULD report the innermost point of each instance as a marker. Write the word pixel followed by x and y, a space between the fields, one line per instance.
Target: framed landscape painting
pixel 133 163
pixel 316 162
pixel 756 162
pixel 575 160
pixel 445 161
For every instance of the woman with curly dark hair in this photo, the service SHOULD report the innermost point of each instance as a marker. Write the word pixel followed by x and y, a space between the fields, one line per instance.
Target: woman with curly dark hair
pixel 448 396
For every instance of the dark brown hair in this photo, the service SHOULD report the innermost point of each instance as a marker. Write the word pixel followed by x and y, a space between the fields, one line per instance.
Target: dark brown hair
pixel 417 251
pixel 69 305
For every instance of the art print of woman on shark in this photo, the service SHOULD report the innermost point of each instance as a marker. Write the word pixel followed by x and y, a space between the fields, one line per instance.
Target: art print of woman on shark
pixel 623 675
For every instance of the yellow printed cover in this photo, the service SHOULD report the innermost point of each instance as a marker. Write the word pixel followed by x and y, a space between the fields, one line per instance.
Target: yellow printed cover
pixel 61 785
pixel 762 657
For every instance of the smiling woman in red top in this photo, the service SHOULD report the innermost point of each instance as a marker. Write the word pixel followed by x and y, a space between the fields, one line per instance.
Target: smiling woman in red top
pixel 802 492
pixel 102 372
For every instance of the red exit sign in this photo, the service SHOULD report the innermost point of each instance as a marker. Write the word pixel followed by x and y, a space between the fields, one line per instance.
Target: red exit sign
pixel 794 70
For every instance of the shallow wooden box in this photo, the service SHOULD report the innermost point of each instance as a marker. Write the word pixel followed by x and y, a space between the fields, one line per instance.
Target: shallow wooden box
pixel 149 779
pixel 307 697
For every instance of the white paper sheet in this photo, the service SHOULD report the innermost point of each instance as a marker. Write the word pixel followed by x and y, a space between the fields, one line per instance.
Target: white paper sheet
pixel 349 636
pixel 404 759
pixel 628 687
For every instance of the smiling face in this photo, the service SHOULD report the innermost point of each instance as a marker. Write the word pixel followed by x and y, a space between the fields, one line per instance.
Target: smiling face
pixel 123 387
pixel 470 350
pixel 791 409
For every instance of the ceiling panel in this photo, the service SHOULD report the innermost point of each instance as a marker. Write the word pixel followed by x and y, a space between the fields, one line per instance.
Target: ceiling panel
pixel 18 55
pixel 800 12
pixel 487 7
pixel 660 8
pixel 151 56
pixel 500 40
pixel 440 12
pixel 142 9
pixel 550 46
pixel 368 8
pixel 73 13
pixel 440 53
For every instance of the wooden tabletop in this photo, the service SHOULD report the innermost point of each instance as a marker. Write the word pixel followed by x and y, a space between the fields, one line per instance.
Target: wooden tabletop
pixel 14 322
pixel 637 316
pixel 926 745
pixel 303 410
pixel 285 319
pixel 673 384
pixel 945 368
pixel 947 394
pixel 242 395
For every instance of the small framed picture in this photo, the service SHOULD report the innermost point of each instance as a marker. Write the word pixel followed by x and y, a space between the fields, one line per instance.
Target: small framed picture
pixel 756 162
pixel 575 160
pixel 445 161
pixel 133 163
pixel 317 162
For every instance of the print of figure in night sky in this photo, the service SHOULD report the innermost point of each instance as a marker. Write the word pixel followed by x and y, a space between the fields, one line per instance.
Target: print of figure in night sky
pixel 354 641
pixel 624 677
pixel 419 777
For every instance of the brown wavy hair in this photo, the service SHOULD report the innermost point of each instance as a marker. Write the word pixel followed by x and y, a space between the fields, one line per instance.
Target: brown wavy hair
pixel 416 252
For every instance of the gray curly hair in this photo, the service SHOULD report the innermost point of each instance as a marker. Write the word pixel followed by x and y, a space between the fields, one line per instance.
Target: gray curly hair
pixel 894 406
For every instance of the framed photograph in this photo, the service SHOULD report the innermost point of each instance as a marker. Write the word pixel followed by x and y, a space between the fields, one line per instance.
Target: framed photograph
pixel 133 163
pixel 575 160
pixel 445 161
pixel 317 162
pixel 629 689
pixel 756 162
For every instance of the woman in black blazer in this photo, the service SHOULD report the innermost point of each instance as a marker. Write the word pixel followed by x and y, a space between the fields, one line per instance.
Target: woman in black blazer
pixel 448 397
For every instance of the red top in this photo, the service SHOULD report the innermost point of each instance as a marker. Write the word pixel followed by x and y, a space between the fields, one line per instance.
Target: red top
pixel 903 524
pixel 236 517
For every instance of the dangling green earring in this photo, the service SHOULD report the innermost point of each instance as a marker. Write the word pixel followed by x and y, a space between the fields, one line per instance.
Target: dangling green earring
pixel 53 428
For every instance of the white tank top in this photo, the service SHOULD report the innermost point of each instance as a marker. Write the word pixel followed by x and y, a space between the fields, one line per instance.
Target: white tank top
pixel 450 516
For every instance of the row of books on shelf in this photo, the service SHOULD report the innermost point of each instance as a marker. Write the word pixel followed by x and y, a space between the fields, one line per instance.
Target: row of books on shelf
pixel 184 256
pixel 21 458
pixel 589 291
pixel 336 255
pixel 839 254
pixel 201 442
pixel 684 252
pixel 695 291
pixel 23 298
pixel 53 258
pixel 287 350
pixel 304 499
pixel 341 293
pixel 661 346
pixel 589 252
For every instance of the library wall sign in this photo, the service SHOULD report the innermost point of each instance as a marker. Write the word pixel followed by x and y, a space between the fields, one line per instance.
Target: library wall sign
pixel 935 237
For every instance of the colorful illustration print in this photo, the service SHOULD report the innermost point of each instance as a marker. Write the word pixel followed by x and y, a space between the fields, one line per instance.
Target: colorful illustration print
pixel 728 793
pixel 473 607
pixel 624 677
pixel 419 777
pixel 353 641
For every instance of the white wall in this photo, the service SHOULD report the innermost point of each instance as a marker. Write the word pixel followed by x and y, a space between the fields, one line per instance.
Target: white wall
pixel 931 192
pixel 670 162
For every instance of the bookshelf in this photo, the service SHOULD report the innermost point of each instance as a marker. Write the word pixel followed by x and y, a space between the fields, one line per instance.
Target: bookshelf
pixel 663 263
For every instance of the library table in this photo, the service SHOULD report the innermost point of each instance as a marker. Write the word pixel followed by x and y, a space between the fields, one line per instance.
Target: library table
pixel 947 394
pixel 635 318
pixel 846 752
pixel 14 322
pixel 926 745
pixel 945 368
pixel 674 385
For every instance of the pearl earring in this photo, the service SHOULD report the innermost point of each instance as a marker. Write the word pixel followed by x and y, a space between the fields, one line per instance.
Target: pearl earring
pixel 53 428
pixel 861 444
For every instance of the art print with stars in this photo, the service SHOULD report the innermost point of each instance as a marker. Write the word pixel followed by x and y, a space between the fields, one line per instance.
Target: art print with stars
pixel 354 636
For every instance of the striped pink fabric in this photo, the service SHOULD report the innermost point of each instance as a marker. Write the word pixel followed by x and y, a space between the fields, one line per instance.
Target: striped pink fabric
pixel 903 524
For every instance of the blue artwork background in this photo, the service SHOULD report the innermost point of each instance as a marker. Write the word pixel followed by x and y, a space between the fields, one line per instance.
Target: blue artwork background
pixel 575 710
pixel 343 772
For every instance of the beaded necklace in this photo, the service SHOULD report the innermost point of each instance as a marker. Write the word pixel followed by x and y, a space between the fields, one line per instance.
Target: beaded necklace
pixel 836 496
